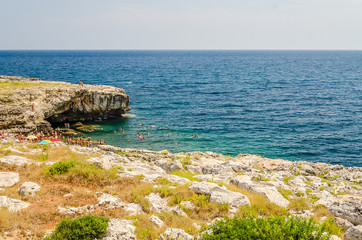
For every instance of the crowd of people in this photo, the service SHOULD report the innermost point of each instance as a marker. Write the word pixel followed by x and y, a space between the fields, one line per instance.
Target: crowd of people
pixel 57 135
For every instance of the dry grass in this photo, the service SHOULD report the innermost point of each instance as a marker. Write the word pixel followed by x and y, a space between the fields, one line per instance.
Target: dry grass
pixel 260 206
pixel 42 214
pixel 146 230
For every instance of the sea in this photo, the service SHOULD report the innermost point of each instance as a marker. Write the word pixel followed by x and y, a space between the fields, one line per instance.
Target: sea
pixel 294 105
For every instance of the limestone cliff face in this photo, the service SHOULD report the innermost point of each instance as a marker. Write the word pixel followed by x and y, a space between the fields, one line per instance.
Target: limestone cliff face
pixel 28 104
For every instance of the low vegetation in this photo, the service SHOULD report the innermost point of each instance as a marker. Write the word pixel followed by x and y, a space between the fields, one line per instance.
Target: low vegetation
pixel 268 228
pixel 84 228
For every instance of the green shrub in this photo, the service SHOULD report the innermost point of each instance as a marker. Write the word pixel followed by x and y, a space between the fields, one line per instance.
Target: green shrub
pixel 60 168
pixel 84 228
pixel 268 228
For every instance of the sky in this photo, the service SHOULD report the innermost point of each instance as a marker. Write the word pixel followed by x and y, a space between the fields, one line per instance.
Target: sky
pixel 181 24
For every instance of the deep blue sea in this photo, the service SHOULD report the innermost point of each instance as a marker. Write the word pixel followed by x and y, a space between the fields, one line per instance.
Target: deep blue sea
pixel 295 105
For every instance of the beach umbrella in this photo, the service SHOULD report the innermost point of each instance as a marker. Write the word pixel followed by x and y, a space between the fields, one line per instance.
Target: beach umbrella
pixel 56 140
pixel 48 141
pixel 43 142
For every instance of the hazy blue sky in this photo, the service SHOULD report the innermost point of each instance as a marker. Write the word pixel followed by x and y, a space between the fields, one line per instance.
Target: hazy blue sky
pixel 181 24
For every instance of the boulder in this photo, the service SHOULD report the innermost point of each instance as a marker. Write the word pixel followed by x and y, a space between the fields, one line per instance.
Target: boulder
pixel 28 189
pixel 351 211
pixel 175 234
pixel 8 179
pixel 14 205
pixel 120 230
pixel 354 233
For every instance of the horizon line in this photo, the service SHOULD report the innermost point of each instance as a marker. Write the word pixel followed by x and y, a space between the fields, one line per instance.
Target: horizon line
pixel 180 49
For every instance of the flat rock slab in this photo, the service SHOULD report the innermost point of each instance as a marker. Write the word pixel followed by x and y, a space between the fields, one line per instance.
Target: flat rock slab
pixel 120 230
pixel 221 195
pixel 234 199
pixel 8 179
pixel 270 192
pixel 13 205
pixel 14 160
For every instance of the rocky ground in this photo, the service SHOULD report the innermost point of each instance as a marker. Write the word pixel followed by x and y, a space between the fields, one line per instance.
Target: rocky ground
pixel 160 195
pixel 29 104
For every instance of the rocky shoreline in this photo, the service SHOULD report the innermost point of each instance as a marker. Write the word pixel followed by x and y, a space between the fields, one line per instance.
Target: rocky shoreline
pixel 29 104
pixel 148 194
pixel 300 188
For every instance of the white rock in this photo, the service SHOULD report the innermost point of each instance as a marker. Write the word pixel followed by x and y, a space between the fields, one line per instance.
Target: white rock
pixel 76 210
pixel 169 166
pixel 343 223
pixel 334 237
pixel 133 209
pixel 352 211
pixel 120 230
pixel 354 233
pixel 270 192
pixel 175 234
pixel 194 169
pixel 156 220
pixel 203 187
pixel 177 210
pixel 158 204
pixel 8 179
pixel 177 179
pixel 220 195
pixel 234 199
pixel 14 205
pixel 28 189
pixel 14 160
pixel 110 201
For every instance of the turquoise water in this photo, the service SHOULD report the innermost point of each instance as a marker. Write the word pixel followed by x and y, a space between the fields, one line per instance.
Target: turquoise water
pixel 296 105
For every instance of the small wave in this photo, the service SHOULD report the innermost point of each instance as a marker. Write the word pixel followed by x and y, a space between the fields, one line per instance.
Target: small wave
pixel 129 115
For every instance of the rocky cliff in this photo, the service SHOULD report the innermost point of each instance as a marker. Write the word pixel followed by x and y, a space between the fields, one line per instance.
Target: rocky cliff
pixel 29 104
